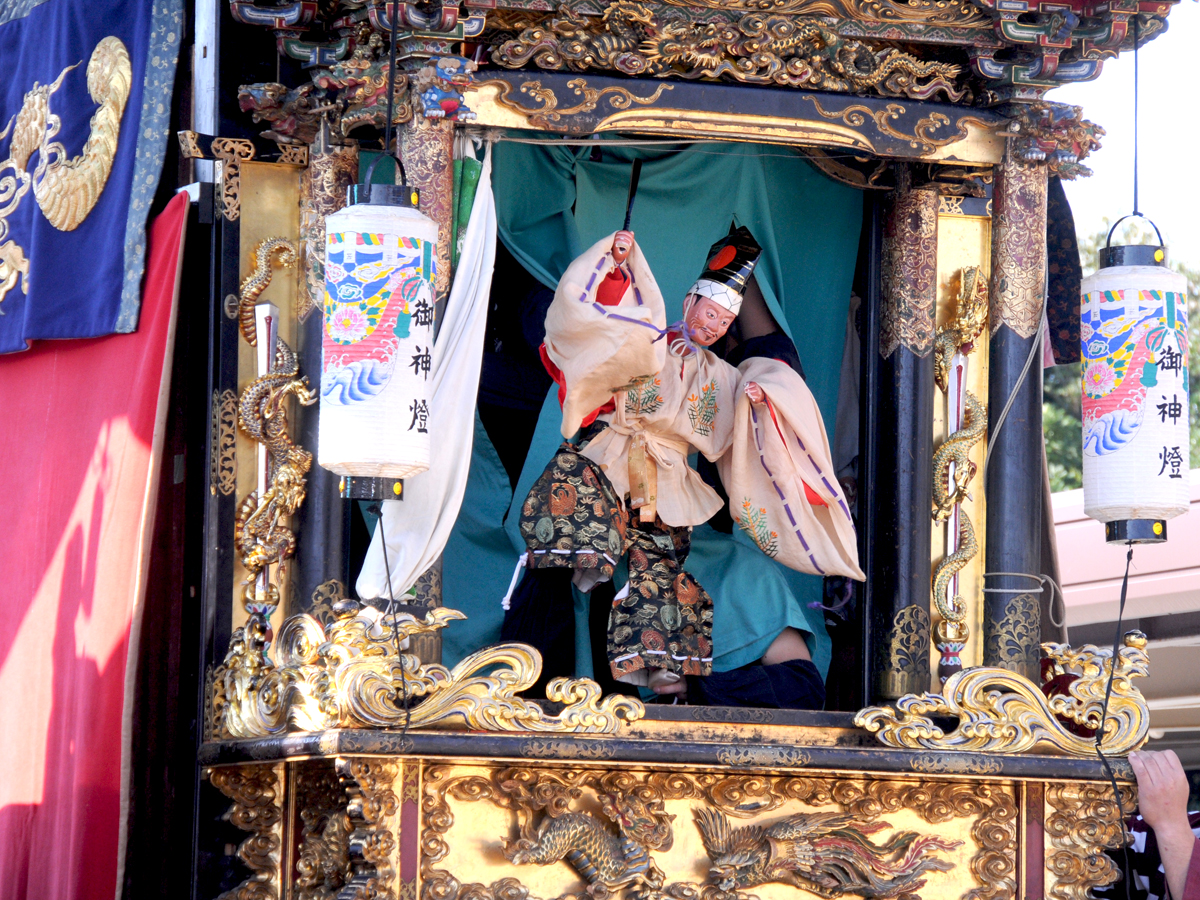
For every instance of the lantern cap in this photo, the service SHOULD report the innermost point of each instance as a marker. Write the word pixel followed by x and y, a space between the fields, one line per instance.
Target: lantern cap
pixel 1133 254
pixel 383 195
pixel 1135 531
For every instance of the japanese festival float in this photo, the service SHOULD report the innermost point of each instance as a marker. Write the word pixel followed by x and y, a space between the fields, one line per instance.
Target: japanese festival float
pixel 624 470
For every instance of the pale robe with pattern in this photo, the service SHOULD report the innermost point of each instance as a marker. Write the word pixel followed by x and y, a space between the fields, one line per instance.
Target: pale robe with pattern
pixel 675 403
pixel 672 403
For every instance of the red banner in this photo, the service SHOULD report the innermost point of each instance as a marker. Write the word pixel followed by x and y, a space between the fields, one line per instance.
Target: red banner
pixel 81 426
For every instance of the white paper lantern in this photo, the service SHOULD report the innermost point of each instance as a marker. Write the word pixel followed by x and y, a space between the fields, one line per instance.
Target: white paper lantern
pixel 1133 332
pixel 377 349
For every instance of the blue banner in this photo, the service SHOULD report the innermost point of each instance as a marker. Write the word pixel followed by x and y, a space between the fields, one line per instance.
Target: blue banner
pixel 85 106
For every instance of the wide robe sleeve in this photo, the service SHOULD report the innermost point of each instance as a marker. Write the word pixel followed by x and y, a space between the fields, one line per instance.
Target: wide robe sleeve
pixel 598 348
pixel 778 448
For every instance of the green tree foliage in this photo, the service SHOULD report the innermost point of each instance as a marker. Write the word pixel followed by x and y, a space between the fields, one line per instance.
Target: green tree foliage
pixel 1062 410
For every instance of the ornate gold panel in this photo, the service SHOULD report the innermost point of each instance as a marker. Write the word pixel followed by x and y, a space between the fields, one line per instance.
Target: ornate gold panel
pixel 269 207
pixel 539 831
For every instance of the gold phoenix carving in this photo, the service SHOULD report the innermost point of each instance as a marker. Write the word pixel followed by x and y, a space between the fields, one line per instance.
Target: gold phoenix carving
pixel 607 825
pixel 633 38
pixel 1002 712
pixel 65 187
pixel 958 336
pixel 348 675
pixel 257 795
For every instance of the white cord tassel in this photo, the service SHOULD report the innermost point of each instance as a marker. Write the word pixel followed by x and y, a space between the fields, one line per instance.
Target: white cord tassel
pixel 512 585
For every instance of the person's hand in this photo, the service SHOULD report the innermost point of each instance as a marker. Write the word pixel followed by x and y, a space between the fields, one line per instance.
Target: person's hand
pixel 1162 801
pixel 622 244
pixel 755 393
pixel 1162 788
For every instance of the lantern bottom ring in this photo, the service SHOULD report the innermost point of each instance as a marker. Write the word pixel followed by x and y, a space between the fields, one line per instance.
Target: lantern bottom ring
pixel 1136 531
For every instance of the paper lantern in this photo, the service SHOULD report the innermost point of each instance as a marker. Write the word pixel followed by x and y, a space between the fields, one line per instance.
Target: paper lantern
pixel 1133 330
pixel 377 347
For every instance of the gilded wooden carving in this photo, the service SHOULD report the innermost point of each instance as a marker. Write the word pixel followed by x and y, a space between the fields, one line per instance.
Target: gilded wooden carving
pixel 427 148
pixel 619 830
pixel 909 272
pixel 906 645
pixel 550 113
pixel 222 454
pixel 1082 821
pixel 957 336
pixel 259 533
pixel 930 12
pixel 1001 711
pixel 231 152
pixel 1018 247
pixel 372 811
pixel 347 674
pixel 322 860
pixel 257 795
pixel 755 48
pixel 922 137
pixel 323 191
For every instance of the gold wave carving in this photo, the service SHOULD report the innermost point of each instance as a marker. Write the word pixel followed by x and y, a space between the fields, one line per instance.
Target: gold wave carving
pixel 349 675
pixel 550 111
pixel 922 137
pixel 1000 711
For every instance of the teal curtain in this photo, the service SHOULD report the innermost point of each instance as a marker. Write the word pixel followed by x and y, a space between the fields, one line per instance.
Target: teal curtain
pixel 554 201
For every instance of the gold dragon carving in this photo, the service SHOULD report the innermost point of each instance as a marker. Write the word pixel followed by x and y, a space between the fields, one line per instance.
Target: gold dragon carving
pixel 347 674
pixel 607 824
pixel 929 12
pixel 958 336
pixel 257 794
pixel 259 532
pixel 1002 712
pixel 273 250
pixel 633 38
pixel 66 188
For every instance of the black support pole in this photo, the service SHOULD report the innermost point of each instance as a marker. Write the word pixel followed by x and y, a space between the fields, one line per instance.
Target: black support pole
pixel 904 439
pixel 1012 610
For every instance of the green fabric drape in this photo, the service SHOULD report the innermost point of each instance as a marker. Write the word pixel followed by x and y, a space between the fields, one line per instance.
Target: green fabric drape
pixel 554 201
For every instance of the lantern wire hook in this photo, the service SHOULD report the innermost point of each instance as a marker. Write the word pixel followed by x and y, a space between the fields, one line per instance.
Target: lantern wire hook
pixel 391 97
pixel 377 508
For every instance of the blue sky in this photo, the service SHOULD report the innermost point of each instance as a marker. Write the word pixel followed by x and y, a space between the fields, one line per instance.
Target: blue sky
pixel 1169 143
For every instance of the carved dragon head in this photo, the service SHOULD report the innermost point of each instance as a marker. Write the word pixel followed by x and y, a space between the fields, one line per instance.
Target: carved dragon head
pixel 641 819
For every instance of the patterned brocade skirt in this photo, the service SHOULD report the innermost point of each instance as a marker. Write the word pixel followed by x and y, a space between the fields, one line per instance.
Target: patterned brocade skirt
pixel 663 618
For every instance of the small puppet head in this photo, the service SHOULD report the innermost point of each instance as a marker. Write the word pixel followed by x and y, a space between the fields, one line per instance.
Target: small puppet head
pixel 731 262
pixel 706 320
pixel 622 244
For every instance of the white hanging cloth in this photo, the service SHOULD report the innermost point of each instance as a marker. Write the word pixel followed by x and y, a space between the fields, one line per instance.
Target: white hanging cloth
pixel 418 526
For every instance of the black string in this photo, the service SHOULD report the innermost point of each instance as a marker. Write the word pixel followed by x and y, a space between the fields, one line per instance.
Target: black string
pixel 1112 672
pixel 391 98
pixel 1136 40
pixel 377 509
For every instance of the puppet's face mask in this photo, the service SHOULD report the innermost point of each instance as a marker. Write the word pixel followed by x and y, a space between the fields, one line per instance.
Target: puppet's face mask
pixel 706 320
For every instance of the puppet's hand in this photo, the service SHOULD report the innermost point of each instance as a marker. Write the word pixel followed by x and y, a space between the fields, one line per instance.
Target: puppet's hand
pixel 622 244
pixel 755 393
